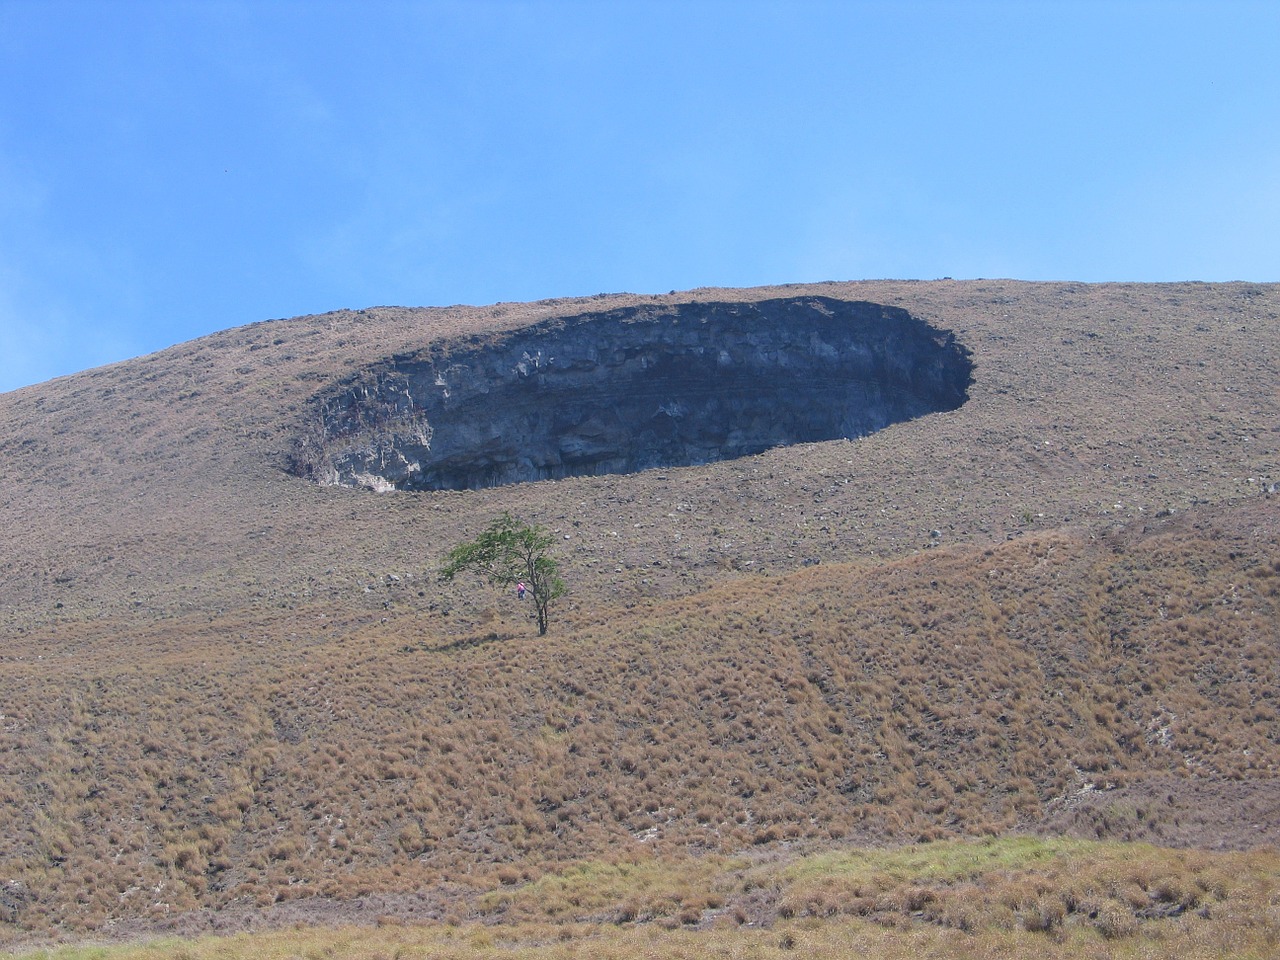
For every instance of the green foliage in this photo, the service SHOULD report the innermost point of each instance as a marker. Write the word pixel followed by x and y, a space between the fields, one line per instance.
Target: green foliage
pixel 508 552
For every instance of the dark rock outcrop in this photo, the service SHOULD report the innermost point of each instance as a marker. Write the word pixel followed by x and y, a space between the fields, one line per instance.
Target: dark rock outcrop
pixel 632 389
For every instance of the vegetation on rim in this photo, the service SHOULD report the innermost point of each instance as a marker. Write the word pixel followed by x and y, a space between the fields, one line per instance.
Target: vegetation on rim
pixel 233 697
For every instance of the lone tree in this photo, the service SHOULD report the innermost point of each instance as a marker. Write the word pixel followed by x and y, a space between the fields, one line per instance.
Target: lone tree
pixel 510 552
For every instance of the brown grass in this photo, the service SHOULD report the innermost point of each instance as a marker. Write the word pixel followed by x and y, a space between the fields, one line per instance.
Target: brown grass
pixel 1008 898
pixel 959 693
pixel 226 692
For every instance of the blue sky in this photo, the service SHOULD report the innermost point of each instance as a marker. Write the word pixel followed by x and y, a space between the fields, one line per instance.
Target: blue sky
pixel 168 169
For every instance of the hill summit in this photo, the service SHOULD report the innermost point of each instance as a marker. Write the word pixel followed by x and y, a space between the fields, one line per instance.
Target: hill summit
pixel 850 564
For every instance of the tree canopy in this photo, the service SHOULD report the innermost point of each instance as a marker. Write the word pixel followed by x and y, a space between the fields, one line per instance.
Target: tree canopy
pixel 509 552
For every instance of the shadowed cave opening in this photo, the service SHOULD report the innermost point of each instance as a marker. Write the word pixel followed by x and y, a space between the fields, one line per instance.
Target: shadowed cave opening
pixel 631 389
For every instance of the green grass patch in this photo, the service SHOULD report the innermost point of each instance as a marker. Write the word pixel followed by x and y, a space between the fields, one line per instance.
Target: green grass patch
pixel 1010 897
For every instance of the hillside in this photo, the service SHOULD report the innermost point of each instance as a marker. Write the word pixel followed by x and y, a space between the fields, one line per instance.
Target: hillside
pixel 1050 609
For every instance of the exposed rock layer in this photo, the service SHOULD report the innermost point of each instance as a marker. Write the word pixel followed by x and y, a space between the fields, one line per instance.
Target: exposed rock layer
pixel 631 389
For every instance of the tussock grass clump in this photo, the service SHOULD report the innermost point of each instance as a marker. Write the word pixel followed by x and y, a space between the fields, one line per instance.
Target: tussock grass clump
pixel 958 693
pixel 1018 897
pixel 1037 885
pixel 229 695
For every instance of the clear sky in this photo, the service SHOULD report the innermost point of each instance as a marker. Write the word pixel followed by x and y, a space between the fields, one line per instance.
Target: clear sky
pixel 171 168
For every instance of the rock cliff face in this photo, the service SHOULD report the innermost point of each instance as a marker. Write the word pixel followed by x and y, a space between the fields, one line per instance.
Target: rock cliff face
pixel 632 389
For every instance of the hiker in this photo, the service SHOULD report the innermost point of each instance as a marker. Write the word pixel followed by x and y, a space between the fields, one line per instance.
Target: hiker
pixel 520 590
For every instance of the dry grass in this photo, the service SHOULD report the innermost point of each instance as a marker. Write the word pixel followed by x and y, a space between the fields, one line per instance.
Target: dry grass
pixel 958 693
pixel 227 694
pixel 155 486
pixel 1016 898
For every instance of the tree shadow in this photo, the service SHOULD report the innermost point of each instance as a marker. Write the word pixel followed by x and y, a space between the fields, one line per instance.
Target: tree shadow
pixel 462 643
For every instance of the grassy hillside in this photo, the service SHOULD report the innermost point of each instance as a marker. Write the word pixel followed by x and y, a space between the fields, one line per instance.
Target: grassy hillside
pixel 226 691
pixel 1004 898
pixel 962 692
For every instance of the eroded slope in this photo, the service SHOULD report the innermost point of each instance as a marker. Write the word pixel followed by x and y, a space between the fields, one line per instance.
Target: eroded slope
pixel 632 389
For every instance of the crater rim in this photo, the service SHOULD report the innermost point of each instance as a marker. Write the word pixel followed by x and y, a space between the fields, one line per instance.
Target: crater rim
pixel 627 390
